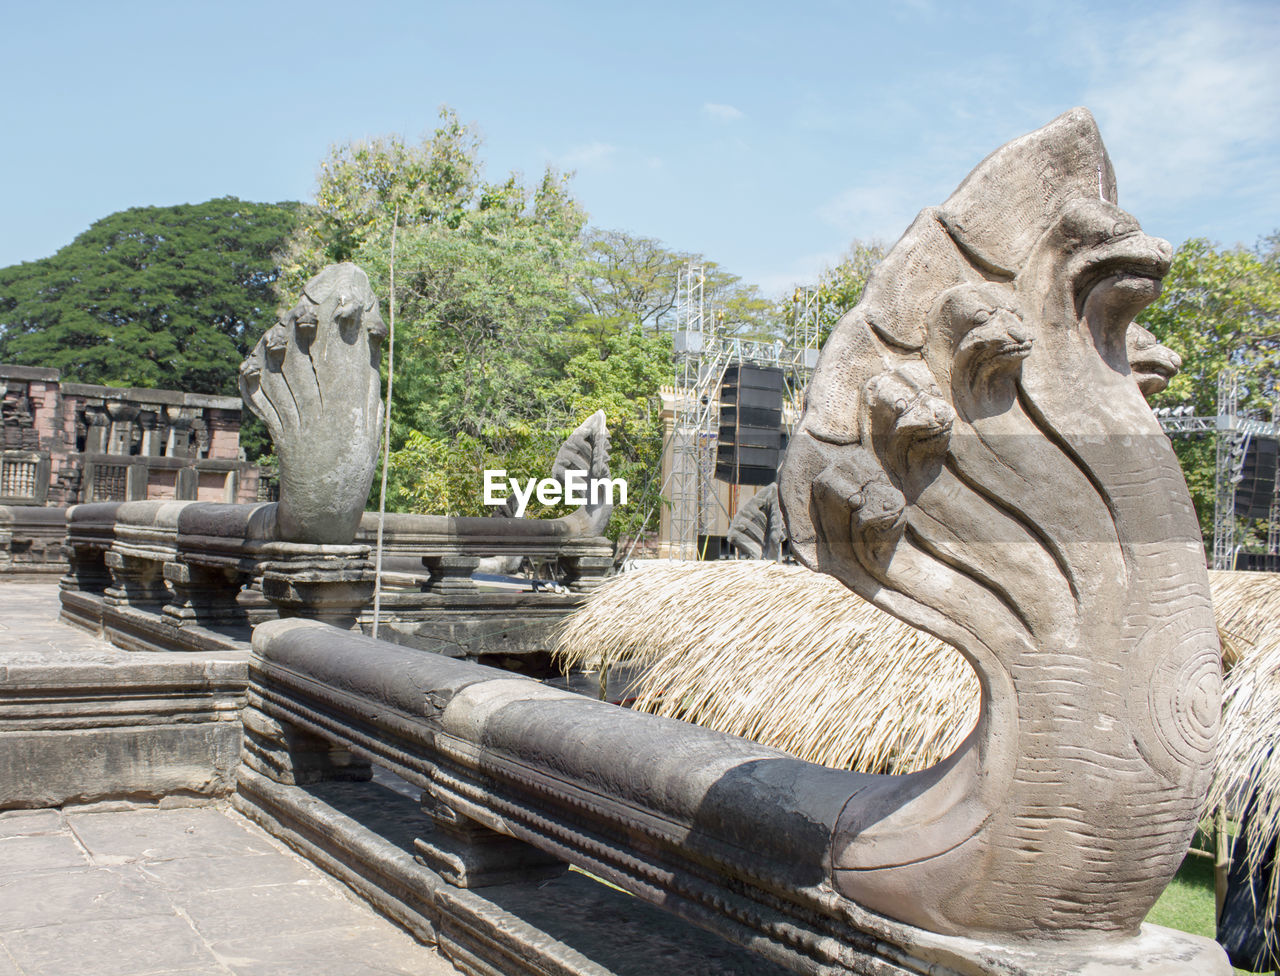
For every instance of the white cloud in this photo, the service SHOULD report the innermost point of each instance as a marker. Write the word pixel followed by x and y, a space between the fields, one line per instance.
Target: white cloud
pixel 881 209
pixel 587 155
pixel 722 113
pixel 1188 102
pixel 800 271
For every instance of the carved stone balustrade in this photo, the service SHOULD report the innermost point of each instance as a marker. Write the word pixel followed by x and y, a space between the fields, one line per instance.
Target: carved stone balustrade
pixel 730 835
pixel 451 548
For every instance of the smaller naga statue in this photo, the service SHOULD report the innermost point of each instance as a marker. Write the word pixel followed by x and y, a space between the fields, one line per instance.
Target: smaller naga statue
pixel 977 458
pixel 313 380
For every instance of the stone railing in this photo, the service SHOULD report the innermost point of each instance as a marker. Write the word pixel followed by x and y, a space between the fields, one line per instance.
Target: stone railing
pixel 168 574
pixel 450 549
pixel 519 780
pixel 31 539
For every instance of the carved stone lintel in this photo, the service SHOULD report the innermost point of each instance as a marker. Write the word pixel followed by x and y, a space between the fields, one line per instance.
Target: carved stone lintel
pixel 204 595
pixel 327 583
pixel 289 755
pixel 450 574
pixel 135 581
pixel 468 854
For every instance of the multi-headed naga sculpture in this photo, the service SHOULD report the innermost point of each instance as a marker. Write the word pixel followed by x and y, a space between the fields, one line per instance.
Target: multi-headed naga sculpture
pixel 313 380
pixel 976 457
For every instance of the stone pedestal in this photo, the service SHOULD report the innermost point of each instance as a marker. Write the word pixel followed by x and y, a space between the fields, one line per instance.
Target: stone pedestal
pixel 583 573
pixel 134 581
pixel 321 582
pixel 450 574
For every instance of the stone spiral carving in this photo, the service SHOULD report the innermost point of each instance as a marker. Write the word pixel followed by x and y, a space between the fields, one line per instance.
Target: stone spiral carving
pixel 977 458
pixel 313 380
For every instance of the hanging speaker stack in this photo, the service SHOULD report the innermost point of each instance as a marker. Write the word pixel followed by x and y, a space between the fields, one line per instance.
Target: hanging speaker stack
pixel 1258 479
pixel 751 441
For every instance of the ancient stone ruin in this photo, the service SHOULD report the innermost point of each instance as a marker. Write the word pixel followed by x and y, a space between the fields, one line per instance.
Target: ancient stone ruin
pixel 975 457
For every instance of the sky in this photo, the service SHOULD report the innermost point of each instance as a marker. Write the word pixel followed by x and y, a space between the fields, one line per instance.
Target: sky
pixel 767 137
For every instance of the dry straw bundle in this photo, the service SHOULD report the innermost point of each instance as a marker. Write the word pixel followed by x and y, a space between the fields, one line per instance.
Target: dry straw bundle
pixel 1247 606
pixel 793 659
pixel 783 656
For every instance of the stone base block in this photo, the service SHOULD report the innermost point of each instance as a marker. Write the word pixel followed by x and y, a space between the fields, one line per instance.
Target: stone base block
pixel 79 733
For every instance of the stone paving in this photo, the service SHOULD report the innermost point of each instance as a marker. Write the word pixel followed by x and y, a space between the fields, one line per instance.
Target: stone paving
pixel 187 891
pixel 31 633
pixel 132 890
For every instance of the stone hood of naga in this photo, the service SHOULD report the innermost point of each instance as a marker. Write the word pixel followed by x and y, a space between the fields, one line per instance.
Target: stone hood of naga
pixel 976 457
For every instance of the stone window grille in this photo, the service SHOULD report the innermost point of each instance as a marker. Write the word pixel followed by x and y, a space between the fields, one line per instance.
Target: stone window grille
pixel 110 482
pixel 18 478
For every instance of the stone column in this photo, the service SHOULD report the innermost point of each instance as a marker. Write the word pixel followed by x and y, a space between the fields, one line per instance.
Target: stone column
pixel 152 444
pixel 122 417
pixel 97 421
pixel 179 443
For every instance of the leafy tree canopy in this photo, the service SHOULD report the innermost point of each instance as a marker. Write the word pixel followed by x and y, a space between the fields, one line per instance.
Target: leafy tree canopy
pixel 168 297
pixel 1219 308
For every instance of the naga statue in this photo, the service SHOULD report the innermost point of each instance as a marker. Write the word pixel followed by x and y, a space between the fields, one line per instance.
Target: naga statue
pixel 757 530
pixel 313 380
pixel 976 457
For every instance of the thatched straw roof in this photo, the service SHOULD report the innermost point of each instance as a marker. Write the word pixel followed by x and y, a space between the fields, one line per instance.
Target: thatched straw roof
pixel 1247 606
pixel 793 659
pixel 783 656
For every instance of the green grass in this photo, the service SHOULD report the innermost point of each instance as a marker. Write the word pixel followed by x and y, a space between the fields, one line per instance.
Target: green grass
pixel 1187 904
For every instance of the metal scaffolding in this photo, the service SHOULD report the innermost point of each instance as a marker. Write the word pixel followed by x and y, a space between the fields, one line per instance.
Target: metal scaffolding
pixel 702 350
pixel 1233 433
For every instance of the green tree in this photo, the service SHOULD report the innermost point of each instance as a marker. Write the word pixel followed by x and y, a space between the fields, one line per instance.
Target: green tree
pixel 169 297
pixel 840 287
pixel 483 274
pixel 1219 308
pixel 629 281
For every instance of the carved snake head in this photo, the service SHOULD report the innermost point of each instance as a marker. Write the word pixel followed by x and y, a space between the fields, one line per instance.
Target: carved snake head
pixel 981 332
pixel 906 418
pixel 1111 269
pixel 1153 364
